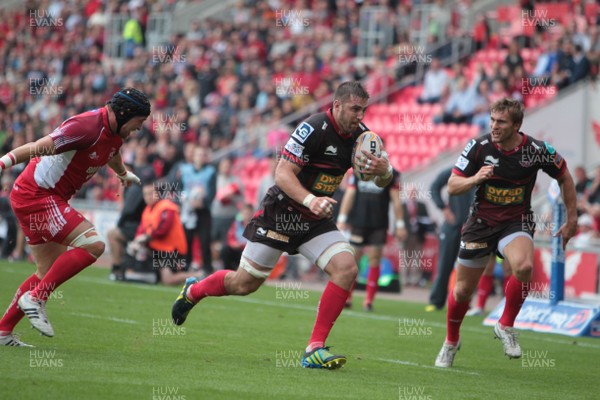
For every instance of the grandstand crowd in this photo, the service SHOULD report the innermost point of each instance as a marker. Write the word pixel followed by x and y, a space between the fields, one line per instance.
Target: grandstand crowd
pixel 233 83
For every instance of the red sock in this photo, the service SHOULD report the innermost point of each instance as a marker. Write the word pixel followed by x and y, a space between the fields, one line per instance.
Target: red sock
pixel 13 314
pixel 456 314
pixel 66 266
pixel 213 286
pixel 484 289
pixel 372 284
pixel 505 282
pixel 516 293
pixel 330 306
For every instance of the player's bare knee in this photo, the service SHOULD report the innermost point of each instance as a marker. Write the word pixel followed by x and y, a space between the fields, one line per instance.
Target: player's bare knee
pixel 462 293
pixel 245 288
pixel 523 271
pixel 243 285
pixel 347 269
pixel 96 249
pixel 351 271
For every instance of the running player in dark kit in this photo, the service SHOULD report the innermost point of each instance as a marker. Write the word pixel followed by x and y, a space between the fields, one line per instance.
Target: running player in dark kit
pixel 503 166
pixel 296 217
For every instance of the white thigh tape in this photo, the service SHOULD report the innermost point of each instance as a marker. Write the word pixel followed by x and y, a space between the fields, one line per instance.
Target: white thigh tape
pixel 246 266
pixel 334 249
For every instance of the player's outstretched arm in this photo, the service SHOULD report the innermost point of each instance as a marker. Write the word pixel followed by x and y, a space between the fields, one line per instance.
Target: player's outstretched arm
pixel 569 196
pixel 286 180
pixel 41 147
pixel 461 184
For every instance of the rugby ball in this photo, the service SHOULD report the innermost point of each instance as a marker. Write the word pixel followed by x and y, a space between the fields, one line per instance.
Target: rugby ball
pixel 369 142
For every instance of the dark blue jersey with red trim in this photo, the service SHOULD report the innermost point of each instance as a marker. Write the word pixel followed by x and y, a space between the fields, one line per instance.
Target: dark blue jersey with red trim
pixel 323 152
pixel 506 196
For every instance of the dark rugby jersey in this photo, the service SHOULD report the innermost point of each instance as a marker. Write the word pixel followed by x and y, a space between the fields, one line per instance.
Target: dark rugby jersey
pixel 323 152
pixel 371 203
pixel 506 197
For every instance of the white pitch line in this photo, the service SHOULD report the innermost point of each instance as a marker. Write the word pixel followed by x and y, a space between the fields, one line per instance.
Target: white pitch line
pixel 353 314
pixel 413 364
pixel 121 320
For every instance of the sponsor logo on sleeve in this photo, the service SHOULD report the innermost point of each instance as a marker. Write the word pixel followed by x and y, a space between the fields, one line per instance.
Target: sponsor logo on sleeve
pixel 461 163
pixel 294 148
pixel 303 131
pixel 549 148
pixel 468 147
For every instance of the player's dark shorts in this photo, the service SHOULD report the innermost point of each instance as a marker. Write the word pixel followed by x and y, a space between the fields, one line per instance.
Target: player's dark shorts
pixel 478 239
pixel 368 236
pixel 280 226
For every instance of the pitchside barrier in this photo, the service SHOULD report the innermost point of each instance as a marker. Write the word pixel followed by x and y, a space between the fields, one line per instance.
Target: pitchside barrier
pixel 556 274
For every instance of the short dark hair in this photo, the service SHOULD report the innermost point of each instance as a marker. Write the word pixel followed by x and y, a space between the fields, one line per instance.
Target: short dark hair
pixel 515 108
pixel 348 89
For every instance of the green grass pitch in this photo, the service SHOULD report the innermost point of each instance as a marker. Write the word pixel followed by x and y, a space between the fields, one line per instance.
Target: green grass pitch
pixel 115 341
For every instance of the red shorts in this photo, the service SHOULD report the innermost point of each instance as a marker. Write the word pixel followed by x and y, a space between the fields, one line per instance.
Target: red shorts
pixel 44 219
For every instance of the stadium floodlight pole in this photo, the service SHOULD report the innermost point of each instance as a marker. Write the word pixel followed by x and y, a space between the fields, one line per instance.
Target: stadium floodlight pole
pixel 557 274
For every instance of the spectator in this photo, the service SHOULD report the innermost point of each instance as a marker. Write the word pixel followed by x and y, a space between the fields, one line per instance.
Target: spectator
pixel 133 34
pixel 580 67
pixel 564 65
pixel 460 106
pixel 513 58
pixel 131 213
pixel 498 91
pixel 159 246
pixel 229 194
pixel 481 115
pixel 434 84
pixel 545 63
pixel 586 234
pixel 481 32
pixel 267 181
pixel 199 188
pixel 582 182
pixel 231 253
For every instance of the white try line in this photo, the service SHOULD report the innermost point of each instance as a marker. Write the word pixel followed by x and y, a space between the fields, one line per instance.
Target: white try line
pixel 121 320
pixel 413 364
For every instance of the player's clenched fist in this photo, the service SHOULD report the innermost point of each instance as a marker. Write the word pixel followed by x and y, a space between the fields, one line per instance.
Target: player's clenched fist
pixel 320 206
pixel 485 173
